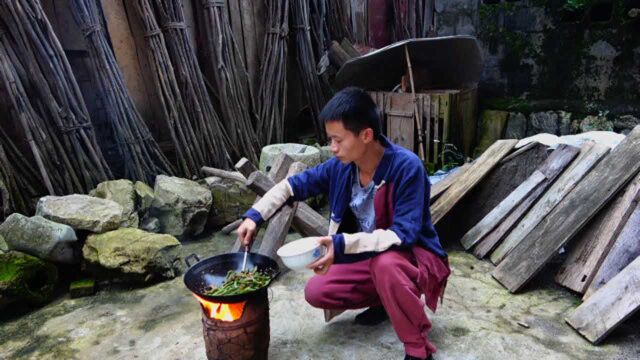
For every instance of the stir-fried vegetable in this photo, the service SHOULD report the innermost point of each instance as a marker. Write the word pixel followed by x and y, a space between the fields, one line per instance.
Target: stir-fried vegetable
pixel 238 283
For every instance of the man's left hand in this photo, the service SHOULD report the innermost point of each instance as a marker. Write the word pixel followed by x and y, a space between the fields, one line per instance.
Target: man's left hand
pixel 321 266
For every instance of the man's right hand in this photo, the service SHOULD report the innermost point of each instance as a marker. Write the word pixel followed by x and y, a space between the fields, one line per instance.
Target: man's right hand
pixel 247 232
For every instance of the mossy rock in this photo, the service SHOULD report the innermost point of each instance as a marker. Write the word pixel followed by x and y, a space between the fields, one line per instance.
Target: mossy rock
pixel 145 196
pixel 81 288
pixel 3 245
pixel 492 128
pixel 26 277
pixel 132 255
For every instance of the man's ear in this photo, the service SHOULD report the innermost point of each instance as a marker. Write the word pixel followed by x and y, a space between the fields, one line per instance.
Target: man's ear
pixel 367 135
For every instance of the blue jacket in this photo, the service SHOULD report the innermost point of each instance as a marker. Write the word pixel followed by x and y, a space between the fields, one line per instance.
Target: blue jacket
pixel 401 202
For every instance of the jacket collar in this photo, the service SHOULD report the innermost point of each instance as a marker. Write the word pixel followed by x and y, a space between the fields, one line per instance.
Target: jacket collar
pixel 385 162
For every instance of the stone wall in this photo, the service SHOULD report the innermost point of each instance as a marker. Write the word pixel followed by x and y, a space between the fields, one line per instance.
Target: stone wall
pixel 582 59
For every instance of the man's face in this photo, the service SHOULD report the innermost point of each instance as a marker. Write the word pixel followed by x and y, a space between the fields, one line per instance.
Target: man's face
pixel 345 145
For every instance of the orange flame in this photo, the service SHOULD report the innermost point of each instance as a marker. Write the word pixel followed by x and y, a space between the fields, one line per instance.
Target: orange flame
pixel 222 312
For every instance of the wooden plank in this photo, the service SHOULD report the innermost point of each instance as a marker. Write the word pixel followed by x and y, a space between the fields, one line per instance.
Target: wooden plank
pixel 280 222
pixel 492 239
pixel 590 250
pixel 570 216
pixel 278 171
pixel 503 209
pixel 589 156
pixel 129 59
pixel 426 111
pixel 624 251
pixel 445 111
pixel 435 112
pixel 480 168
pixel 610 306
pixel 443 185
pixel 254 29
pixel 400 120
pixel 235 19
pixel 190 22
pixel 307 221
pixel 549 169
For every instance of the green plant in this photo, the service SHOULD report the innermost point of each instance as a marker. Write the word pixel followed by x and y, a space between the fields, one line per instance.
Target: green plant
pixel 576 5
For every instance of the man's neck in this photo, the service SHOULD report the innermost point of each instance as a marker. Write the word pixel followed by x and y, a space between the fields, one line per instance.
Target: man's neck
pixel 368 164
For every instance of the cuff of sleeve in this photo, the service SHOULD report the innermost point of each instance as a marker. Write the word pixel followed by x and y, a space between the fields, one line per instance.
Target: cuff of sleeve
pixel 254 215
pixel 338 249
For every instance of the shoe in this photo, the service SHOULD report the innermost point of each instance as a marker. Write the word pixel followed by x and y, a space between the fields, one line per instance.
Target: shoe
pixel 372 316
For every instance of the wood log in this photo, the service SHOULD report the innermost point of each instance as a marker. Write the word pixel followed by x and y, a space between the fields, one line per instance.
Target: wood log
pixel 571 215
pixel 245 167
pixel 231 175
pixel 545 175
pixel 278 172
pixel 590 155
pixel 337 55
pixel 476 172
pixel 280 222
pixel 588 253
pixel 306 220
pixel 609 306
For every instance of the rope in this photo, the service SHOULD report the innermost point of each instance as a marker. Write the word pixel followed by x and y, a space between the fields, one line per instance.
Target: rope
pixel 213 3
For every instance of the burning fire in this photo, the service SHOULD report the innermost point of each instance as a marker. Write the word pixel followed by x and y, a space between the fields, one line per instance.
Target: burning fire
pixel 222 312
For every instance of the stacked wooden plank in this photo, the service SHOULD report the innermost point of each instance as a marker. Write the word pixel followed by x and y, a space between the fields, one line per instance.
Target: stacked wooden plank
pixel 582 203
pixel 447 120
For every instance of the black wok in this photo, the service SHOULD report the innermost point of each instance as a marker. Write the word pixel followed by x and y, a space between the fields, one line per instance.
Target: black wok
pixel 213 271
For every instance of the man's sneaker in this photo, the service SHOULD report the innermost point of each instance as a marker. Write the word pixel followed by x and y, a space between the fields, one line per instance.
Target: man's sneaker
pixel 372 316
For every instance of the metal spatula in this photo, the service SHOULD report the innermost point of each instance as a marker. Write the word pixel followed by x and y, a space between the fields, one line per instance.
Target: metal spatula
pixel 244 261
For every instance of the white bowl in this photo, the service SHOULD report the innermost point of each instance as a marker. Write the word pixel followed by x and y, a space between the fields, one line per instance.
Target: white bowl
pixel 297 254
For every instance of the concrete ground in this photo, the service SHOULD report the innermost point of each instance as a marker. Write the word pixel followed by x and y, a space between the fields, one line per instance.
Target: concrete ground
pixel 478 320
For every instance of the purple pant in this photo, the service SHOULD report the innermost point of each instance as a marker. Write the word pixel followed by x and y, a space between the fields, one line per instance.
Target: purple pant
pixel 393 279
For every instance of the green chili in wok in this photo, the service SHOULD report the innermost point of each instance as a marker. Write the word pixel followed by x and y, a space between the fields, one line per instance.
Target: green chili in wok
pixel 237 283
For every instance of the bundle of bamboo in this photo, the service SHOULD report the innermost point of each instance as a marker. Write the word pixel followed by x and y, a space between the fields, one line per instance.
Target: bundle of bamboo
pixel 232 81
pixel 307 64
pixel 45 97
pixel 142 157
pixel 210 134
pixel 272 96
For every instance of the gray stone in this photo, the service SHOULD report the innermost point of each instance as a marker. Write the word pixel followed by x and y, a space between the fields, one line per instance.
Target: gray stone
pixel 181 205
pixel 3 245
pixel 565 126
pixel 81 212
pixel 543 122
pixel 132 255
pixel 325 153
pixel 145 196
pixel 596 123
pixel 151 225
pixel 516 126
pixel 306 154
pixel 27 278
pixel 230 201
pixel 122 192
pixel 40 237
pixel 625 123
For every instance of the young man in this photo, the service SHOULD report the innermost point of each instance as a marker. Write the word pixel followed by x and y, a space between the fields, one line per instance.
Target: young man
pixel 382 250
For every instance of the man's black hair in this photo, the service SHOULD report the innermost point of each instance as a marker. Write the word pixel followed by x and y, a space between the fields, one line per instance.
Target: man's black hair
pixel 355 109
